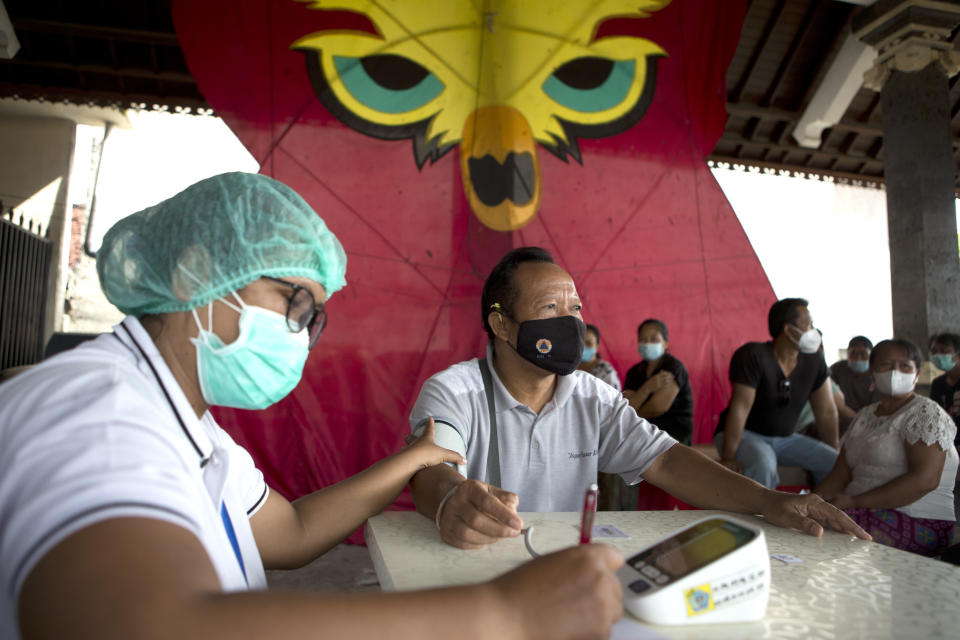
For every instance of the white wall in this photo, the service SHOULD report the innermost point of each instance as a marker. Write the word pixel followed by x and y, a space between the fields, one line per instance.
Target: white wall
pixel 35 162
pixel 820 241
pixel 159 156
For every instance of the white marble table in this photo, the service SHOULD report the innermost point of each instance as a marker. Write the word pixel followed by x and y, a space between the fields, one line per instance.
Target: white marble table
pixel 844 588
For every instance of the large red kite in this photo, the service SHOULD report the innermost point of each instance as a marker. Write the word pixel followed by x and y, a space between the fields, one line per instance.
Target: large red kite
pixel 435 135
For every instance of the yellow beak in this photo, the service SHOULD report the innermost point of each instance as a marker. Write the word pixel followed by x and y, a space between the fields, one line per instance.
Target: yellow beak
pixel 500 169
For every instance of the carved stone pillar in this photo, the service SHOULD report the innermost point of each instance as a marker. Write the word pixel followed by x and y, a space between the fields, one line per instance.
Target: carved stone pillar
pixel 915 60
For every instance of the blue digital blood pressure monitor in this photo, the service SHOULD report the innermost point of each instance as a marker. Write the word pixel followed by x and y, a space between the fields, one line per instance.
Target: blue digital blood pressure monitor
pixel 715 570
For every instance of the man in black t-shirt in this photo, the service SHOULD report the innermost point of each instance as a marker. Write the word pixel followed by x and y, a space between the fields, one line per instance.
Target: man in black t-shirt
pixel 771 383
pixel 945 389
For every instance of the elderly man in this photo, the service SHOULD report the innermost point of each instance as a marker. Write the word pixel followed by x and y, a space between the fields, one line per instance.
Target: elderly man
pixel 535 431
pixel 771 383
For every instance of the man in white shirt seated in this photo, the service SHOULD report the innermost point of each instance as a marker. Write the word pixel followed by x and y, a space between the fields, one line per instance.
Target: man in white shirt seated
pixel 555 427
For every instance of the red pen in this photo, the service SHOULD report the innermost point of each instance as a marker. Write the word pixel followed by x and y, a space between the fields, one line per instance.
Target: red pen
pixel 589 508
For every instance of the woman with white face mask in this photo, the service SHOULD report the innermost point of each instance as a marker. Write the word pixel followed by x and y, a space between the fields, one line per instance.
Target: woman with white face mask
pixel 895 472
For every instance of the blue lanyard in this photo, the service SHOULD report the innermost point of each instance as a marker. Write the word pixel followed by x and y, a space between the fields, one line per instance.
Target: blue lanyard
pixel 233 538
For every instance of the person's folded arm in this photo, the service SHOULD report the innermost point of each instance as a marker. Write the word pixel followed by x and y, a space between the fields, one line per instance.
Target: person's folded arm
pixel 696 479
pixel 290 535
pixel 659 402
pixel 825 414
pixel 144 578
pixel 924 468
pixel 636 397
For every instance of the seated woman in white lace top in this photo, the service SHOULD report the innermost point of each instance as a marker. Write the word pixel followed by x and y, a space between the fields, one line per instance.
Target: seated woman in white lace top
pixel 897 464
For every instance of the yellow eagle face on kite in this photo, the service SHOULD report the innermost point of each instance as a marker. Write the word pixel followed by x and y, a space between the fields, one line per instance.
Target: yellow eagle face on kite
pixel 495 77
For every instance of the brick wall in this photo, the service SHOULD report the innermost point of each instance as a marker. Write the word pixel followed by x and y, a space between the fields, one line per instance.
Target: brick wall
pixel 78 229
pixel 86 308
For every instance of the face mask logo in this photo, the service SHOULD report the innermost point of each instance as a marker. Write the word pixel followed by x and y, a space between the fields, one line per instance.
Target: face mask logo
pixel 544 346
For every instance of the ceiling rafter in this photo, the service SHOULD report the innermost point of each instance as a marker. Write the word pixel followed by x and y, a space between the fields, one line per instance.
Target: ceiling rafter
pixel 812 154
pixel 761 118
pixel 791 54
pixel 761 44
pixel 824 65
pixel 124 71
pixel 97 32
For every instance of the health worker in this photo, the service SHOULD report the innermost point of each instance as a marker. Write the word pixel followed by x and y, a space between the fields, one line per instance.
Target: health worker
pixel 127 512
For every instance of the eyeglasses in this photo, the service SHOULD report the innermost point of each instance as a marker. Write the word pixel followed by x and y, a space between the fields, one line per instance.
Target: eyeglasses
pixel 303 311
pixel 783 392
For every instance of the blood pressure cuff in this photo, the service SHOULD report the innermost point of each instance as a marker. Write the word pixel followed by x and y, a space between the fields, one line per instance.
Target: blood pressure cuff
pixel 446 436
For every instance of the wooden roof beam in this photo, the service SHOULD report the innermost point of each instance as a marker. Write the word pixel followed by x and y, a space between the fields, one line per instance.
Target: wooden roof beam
pixel 768 27
pixel 793 170
pixel 98 32
pixel 812 154
pixel 790 117
pixel 104 98
pixel 835 93
pixel 791 54
pixel 128 72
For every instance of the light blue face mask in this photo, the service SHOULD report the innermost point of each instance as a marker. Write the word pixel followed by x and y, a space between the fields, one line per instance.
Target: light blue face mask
pixel 943 361
pixel 589 353
pixel 259 368
pixel 650 350
pixel 858 366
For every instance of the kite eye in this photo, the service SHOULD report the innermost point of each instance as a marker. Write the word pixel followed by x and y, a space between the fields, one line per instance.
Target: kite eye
pixel 388 83
pixel 591 84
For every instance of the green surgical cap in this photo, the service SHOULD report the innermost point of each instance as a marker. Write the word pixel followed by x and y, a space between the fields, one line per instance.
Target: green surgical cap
pixel 214 237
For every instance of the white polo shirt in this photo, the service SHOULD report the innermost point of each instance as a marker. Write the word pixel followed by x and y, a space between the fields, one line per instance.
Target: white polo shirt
pixel 90 435
pixel 549 459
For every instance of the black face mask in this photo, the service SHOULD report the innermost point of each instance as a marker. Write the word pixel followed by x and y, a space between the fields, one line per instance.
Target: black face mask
pixel 553 344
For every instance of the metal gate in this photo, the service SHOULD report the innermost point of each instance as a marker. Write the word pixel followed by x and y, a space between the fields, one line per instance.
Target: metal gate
pixel 24 263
